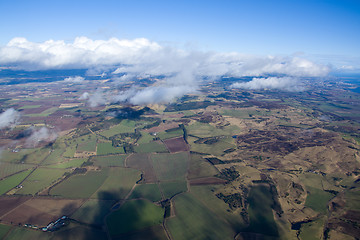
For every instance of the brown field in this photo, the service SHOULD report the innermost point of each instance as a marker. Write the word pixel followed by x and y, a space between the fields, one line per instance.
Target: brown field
pixel 207 181
pixel 142 162
pixel 9 203
pixel 176 145
pixel 41 211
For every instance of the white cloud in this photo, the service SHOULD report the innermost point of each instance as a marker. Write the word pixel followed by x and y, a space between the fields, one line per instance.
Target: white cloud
pixel 41 135
pixel 97 99
pixel 9 118
pixel 279 83
pixel 84 96
pixel 76 79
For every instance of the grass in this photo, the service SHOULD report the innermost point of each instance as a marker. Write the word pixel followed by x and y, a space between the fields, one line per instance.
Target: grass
pixel 170 167
pixel 214 149
pixel 126 126
pixel 30 106
pixel 118 183
pixel 107 148
pixel 18 157
pixel 150 147
pixel 110 161
pixel 55 156
pixel 70 151
pixel 7 169
pixel 206 195
pixel 352 200
pixel 171 134
pixel 40 179
pixel 148 191
pixel 145 138
pixel 10 182
pixel 133 216
pixel 76 162
pixel 260 212
pixel 170 189
pixel 4 229
pixel 80 186
pixel 23 233
pixel 38 156
pixel 44 113
pixel 318 199
pixel 199 167
pixel 312 230
pixel 87 145
pixel 152 233
pixel 93 211
pixel 206 130
pixel 195 221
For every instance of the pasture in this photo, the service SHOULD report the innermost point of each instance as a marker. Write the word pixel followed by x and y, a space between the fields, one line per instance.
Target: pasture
pixel 12 181
pixel 110 161
pixel 149 191
pixel 170 167
pixel 106 148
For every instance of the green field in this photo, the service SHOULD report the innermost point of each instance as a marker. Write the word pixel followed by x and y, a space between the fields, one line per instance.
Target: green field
pixel 69 151
pixel 16 157
pixel 214 149
pixel 195 221
pixel 37 156
pixel 170 167
pixel 93 211
pixel 110 161
pixel 148 191
pixel 107 148
pixel 318 199
pixel 150 147
pixel 199 167
pixel 86 143
pixel 260 212
pixel 30 106
pixel 118 183
pixel 80 186
pixel 170 189
pixel 145 138
pixel 312 230
pixel 206 130
pixel 152 233
pixel 4 229
pixel 170 134
pixel 40 179
pixel 126 126
pixel 44 113
pixel 10 182
pixel 7 169
pixel 76 162
pixel 55 156
pixel 133 216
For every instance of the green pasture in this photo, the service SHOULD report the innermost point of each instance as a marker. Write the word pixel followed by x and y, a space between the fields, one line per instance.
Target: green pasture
pixel 44 113
pixel 80 186
pixel 72 163
pixel 4 229
pixel 16 157
pixel 110 161
pixel 30 106
pixel 150 147
pixel 148 191
pixel 170 189
pixel 199 167
pixel 206 130
pixel 145 138
pixel 12 181
pixel 312 230
pixel 106 148
pixel 118 183
pixel 199 221
pixel 170 134
pixel 126 126
pixel 214 149
pixel 170 167
pixel 40 179
pixel 93 211
pixel 133 216
pixel 7 169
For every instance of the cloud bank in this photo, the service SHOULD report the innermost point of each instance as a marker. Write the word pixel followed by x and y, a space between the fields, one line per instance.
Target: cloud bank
pixel 279 83
pixel 9 118
pixel 76 79
pixel 181 71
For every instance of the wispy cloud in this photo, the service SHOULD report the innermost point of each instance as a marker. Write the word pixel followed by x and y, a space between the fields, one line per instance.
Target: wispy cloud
pixel 9 118
pixel 43 134
pixel 76 79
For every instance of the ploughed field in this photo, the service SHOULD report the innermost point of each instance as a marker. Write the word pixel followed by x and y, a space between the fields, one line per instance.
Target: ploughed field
pixel 226 165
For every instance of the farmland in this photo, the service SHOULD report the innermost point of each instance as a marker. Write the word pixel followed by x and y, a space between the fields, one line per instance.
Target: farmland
pixel 217 164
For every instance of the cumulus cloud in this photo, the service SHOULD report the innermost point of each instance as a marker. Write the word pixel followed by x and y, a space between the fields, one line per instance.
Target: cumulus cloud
pixel 40 135
pixel 76 79
pixel 84 96
pixel 279 83
pixel 9 118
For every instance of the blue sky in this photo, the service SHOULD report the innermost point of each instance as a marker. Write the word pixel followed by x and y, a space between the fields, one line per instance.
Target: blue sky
pixel 317 28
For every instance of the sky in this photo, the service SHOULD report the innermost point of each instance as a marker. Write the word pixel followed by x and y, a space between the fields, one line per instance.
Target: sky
pixel 328 27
